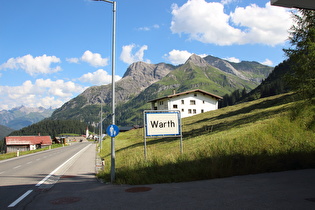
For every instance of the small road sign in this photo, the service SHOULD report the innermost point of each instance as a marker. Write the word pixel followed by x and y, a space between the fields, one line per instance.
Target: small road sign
pixel 112 130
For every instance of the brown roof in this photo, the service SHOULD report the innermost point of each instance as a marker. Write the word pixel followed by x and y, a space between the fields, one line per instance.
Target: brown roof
pixel 187 92
pixel 27 140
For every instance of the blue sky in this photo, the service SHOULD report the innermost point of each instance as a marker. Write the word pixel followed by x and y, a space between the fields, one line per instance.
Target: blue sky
pixel 51 51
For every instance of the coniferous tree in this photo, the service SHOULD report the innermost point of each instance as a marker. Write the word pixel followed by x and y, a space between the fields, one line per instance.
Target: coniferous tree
pixel 302 52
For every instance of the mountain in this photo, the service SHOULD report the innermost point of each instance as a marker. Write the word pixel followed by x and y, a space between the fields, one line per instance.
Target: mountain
pixel 143 82
pixel 138 77
pixel 274 84
pixel 196 73
pixel 4 131
pixel 247 70
pixel 22 116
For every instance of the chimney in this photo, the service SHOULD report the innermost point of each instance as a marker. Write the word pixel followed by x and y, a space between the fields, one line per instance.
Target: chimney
pixel 174 92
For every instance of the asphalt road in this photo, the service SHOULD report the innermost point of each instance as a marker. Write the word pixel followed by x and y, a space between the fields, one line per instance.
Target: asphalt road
pixel 26 175
pixel 78 188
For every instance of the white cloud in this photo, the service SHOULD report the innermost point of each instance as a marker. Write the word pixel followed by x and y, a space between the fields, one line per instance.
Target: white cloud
pixel 267 62
pixel 249 25
pixel 177 57
pixel 148 28
pixel 232 59
pixel 94 59
pixel 129 58
pixel 228 1
pixel 99 77
pixel 268 25
pixel 43 92
pixel 144 28
pixel 33 65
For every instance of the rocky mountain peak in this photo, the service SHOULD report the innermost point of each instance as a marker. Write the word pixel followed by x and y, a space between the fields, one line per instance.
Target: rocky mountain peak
pixel 197 60
pixel 224 66
pixel 147 70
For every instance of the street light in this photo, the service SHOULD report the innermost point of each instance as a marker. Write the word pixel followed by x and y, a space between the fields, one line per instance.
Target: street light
pixel 112 169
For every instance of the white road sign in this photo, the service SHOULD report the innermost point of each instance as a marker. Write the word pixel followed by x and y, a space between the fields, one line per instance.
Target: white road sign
pixel 162 123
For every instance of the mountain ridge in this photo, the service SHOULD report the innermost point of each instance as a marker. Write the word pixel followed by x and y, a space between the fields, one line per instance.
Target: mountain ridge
pixel 23 116
pixel 142 81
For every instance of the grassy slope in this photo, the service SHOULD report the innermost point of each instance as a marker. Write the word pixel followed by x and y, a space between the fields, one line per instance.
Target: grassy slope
pixel 254 137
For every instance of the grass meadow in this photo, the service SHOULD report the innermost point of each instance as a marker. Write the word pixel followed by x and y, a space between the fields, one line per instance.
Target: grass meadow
pixel 14 154
pixel 265 135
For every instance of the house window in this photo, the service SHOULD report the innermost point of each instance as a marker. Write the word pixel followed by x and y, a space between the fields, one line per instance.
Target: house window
pixel 203 101
pixel 182 101
pixel 189 111
pixel 195 94
pixel 194 111
pixel 161 102
pixel 202 111
pixel 182 110
pixel 174 106
pixel 192 102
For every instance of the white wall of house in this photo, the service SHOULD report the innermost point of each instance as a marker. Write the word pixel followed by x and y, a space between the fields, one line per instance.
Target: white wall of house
pixel 33 147
pixel 189 104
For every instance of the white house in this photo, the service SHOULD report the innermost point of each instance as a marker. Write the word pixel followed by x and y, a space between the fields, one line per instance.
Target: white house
pixel 189 102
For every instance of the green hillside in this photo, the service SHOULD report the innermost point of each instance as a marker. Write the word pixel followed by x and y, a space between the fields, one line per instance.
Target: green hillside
pixel 265 135
pixel 186 77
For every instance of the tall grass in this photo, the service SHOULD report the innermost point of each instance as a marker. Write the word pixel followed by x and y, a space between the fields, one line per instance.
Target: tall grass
pixel 266 135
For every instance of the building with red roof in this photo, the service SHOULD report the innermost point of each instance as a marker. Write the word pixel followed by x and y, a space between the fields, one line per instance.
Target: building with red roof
pixel 25 143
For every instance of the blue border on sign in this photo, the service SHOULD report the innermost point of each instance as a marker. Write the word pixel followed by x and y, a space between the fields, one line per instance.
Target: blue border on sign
pixel 163 112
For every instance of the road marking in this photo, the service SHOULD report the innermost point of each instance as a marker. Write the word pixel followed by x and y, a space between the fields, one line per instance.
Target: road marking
pixel 1 172
pixel 47 177
pixel 54 171
pixel 29 162
pixel 17 166
pixel 20 198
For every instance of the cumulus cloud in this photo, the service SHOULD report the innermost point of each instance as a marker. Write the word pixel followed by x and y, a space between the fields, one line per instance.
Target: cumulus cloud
pixel 43 92
pixel 99 77
pixel 177 57
pixel 232 59
pixel 267 62
pixel 33 65
pixel 246 25
pixel 94 59
pixel 129 58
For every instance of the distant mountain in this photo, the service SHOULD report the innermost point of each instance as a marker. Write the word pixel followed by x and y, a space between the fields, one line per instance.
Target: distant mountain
pixel 22 116
pixel 4 131
pixel 248 70
pixel 274 84
pixel 143 82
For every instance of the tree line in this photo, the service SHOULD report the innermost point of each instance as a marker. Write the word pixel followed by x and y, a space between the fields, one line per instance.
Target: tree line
pixel 52 128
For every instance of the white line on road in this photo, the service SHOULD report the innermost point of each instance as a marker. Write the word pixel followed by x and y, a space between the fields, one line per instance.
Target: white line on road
pixel 47 177
pixel 54 171
pixel 17 167
pixel 20 198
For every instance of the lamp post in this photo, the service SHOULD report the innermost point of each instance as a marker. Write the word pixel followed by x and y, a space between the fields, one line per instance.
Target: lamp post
pixel 112 169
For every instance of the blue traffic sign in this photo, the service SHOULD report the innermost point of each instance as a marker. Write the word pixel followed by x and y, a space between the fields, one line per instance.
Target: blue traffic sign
pixel 112 130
